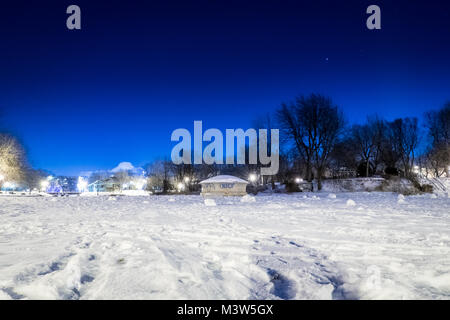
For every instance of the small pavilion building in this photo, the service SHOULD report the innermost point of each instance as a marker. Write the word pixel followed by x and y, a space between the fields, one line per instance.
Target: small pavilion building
pixel 224 185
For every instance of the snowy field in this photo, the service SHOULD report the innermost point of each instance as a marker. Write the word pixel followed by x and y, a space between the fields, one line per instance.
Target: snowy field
pixel 302 246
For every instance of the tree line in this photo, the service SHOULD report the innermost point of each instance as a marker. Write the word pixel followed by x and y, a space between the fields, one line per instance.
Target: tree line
pixel 323 144
pixel 317 143
pixel 14 167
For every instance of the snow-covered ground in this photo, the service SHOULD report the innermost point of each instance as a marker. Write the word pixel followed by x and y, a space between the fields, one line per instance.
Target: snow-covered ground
pixel 300 246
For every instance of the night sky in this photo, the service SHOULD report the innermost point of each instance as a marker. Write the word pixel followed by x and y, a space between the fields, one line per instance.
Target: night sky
pixel 137 70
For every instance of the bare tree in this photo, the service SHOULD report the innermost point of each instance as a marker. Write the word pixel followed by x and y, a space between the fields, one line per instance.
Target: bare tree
pixel 160 174
pixel 362 136
pixel 367 140
pixel 184 173
pixel 436 159
pixel 344 158
pixel 13 164
pixel 314 125
pixel 438 154
pixel 404 137
pixel 34 178
pixel 290 124
pixel 122 178
pixel 438 124
pixel 266 123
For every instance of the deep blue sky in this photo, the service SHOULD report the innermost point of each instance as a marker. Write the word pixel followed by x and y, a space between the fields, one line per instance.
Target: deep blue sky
pixel 115 90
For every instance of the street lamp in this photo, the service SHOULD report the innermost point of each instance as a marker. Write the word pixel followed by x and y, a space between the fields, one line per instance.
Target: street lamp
pixel 44 184
pixel 298 180
pixel 8 185
pixel 82 184
pixel 140 184
pixel 180 187
pixel 252 177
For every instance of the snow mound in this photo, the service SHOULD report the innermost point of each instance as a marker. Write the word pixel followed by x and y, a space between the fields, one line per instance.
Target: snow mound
pixel 135 193
pixel 248 198
pixel 350 203
pixel 332 196
pixel 171 200
pixel 88 194
pixel 433 196
pixel 401 199
pixel 112 199
pixel 210 203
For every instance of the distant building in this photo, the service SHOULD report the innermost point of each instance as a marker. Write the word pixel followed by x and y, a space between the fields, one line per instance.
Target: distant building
pixel 12 186
pixel 111 184
pixel 68 184
pixel 62 184
pixel 224 185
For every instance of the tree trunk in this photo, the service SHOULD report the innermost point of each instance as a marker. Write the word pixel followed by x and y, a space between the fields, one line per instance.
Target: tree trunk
pixel 367 168
pixel 319 178
pixel 309 177
pixel 319 183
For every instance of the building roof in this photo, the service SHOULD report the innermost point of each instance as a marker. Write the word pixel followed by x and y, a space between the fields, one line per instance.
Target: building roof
pixel 224 179
pixel 107 180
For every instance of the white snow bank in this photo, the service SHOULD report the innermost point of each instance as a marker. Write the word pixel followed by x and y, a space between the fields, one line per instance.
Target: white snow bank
pixel 350 203
pixel 135 193
pixel 401 199
pixel 248 198
pixel 352 185
pixel 279 247
pixel 210 202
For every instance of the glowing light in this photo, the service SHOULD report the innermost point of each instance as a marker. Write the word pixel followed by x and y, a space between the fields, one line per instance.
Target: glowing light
pixel 180 186
pixel 8 185
pixel 140 184
pixel 252 177
pixel 82 184
pixel 2 177
pixel 186 179
pixel 298 180
pixel 44 184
